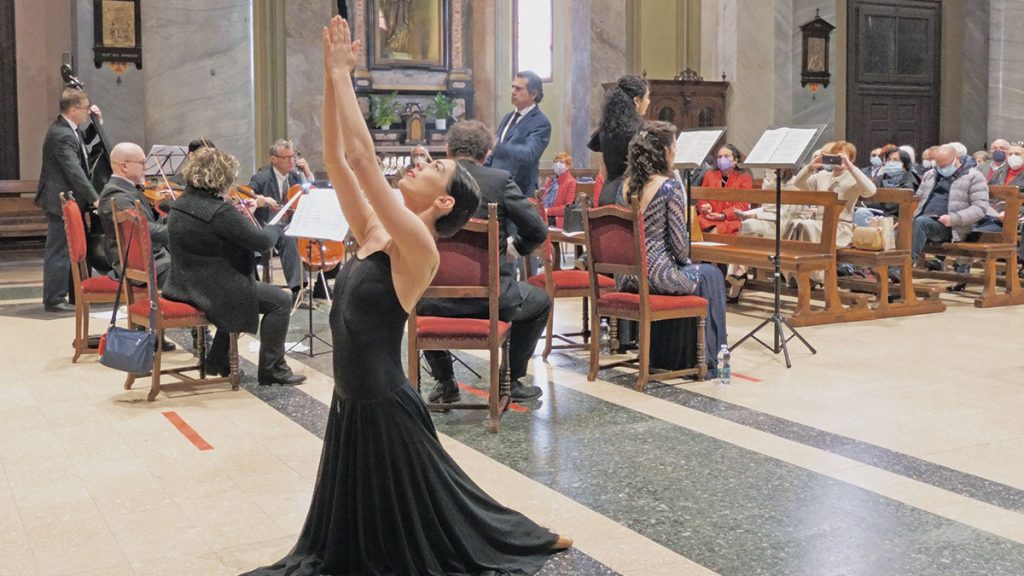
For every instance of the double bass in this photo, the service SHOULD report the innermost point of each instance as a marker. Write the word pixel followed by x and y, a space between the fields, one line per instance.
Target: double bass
pixel 99 171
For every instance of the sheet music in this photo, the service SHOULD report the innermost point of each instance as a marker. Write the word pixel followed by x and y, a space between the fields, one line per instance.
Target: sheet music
pixel 169 158
pixel 692 147
pixel 781 146
pixel 319 217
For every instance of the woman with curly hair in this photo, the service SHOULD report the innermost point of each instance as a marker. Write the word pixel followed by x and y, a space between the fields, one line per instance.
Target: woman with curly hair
pixel 662 203
pixel 621 117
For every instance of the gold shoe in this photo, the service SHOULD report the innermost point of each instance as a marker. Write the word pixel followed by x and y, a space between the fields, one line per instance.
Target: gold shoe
pixel 563 543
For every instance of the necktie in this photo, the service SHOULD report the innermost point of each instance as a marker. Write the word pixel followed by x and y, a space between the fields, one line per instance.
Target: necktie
pixel 515 118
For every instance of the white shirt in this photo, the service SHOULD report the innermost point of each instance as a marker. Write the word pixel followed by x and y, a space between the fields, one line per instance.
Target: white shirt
pixel 508 126
pixel 74 128
pixel 282 183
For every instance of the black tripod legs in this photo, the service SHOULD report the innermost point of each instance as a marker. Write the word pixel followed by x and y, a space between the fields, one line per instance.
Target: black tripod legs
pixel 779 337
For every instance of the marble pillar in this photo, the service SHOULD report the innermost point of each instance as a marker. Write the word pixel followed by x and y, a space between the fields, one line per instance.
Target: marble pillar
pixel 751 99
pixel 304 65
pixel 121 97
pixel 1006 71
pixel 198 74
pixel 608 48
pixel 975 87
pixel 580 81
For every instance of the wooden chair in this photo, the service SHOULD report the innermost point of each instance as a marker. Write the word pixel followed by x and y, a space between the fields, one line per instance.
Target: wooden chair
pixel 138 268
pixel 89 290
pixel 564 284
pixel 469 268
pixel 615 246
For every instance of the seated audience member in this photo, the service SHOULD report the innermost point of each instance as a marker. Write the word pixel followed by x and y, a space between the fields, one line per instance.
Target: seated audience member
pixel 998 151
pixel 895 173
pixel 927 161
pixel 965 158
pixel 981 157
pixel 662 203
pixel 875 165
pixel 560 190
pixel 719 216
pixel 1011 171
pixel 953 198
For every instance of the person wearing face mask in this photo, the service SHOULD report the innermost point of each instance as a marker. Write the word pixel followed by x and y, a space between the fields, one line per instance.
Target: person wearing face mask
pixel 895 173
pixel 953 198
pixel 560 190
pixel 876 160
pixel 717 216
pixel 927 160
pixel 996 173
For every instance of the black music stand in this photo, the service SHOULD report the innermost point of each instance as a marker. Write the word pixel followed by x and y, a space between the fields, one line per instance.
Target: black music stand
pixel 310 335
pixel 165 160
pixel 776 150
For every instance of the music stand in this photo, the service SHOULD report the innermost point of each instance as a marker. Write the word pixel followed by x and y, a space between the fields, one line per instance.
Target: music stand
pixel 165 159
pixel 317 218
pixel 692 146
pixel 779 149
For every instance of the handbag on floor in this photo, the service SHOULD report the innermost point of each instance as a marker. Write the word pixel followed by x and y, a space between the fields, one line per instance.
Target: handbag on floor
pixel 123 348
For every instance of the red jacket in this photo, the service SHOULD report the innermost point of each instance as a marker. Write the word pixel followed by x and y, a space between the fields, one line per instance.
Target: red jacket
pixel 566 195
pixel 740 180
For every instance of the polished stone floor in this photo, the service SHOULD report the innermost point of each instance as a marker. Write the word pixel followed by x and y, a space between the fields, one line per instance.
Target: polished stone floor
pixel 897 449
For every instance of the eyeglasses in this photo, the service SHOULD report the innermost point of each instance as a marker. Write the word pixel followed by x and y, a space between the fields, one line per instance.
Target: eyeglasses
pixel 292 157
pixel 143 162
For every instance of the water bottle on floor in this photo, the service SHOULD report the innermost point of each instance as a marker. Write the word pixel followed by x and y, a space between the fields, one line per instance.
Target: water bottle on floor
pixel 724 370
pixel 605 337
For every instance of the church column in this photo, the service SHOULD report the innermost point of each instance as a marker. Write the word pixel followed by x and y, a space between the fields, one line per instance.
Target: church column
pixel 198 74
pixel 1006 71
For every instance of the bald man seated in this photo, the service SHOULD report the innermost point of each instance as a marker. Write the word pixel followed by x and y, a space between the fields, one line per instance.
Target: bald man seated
pixel 127 162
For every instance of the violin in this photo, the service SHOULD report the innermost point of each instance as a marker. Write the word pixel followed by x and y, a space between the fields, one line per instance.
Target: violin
pixel 244 199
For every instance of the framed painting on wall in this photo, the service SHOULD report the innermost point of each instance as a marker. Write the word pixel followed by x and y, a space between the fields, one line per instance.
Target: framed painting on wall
pixel 408 33
pixel 117 32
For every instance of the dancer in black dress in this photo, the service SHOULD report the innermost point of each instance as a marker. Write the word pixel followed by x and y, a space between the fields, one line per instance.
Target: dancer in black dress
pixel 388 498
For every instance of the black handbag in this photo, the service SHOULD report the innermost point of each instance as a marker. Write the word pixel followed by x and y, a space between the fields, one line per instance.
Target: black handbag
pixel 573 216
pixel 125 349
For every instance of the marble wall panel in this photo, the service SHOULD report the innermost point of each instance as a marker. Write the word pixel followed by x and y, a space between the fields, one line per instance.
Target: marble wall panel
pixel 121 97
pixel 974 119
pixel 581 79
pixel 1006 70
pixel 783 61
pixel 820 107
pixel 304 68
pixel 608 49
pixel 198 74
pixel 751 99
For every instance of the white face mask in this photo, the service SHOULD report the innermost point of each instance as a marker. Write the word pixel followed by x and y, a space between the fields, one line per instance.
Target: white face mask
pixel 1014 161
pixel 928 164
pixel 558 168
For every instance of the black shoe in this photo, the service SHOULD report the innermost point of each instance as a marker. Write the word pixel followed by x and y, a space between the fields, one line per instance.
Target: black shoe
pixel 735 284
pixel 168 346
pixel 446 391
pixel 520 391
pixel 935 264
pixel 287 379
pixel 60 307
pixel 218 370
pixel 958 287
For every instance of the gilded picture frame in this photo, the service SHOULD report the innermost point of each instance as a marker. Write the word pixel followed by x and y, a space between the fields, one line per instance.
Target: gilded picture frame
pixel 408 34
pixel 117 32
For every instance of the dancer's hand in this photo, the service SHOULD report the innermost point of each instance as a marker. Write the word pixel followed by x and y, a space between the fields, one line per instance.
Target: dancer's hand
pixel 339 49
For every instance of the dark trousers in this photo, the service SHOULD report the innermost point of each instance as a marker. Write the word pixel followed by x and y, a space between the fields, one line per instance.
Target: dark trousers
pixel 56 262
pixel 927 229
pixel 528 320
pixel 288 250
pixel 275 307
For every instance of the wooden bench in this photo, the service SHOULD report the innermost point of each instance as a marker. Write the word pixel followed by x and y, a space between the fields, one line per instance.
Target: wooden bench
pixel 797 258
pixel 907 302
pixel 993 249
pixel 19 216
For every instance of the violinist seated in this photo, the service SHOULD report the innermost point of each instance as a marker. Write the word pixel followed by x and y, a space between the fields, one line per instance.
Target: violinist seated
pixel 273 182
pixel 178 179
pixel 127 163
pixel 214 249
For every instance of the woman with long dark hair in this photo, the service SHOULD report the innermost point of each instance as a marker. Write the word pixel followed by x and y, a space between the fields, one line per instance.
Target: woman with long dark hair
pixel 662 202
pixel 621 117
pixel 388 498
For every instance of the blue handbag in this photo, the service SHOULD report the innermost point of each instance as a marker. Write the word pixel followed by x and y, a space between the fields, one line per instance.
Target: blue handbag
pixel 125 349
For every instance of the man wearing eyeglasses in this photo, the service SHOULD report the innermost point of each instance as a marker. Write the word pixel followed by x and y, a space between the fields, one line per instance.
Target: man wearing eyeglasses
pixel 64 168
pixel 273 182
pixel 523 134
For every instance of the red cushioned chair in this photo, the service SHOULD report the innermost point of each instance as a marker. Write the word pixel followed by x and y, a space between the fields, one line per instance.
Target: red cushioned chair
pixel 615 245
pixel 469 268
pixel 88 289
pixel 138 268
pixel 564 284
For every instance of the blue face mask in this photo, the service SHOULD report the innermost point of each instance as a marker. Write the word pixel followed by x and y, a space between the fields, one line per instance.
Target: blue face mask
pixel 893 168
pixel 876 161
pixel 947 171
pixel 999 156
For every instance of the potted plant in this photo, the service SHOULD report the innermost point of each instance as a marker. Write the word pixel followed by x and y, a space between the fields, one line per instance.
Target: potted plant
pixel 441 108
pixel 384 110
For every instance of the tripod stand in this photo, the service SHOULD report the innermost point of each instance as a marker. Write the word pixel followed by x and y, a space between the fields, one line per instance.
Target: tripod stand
pixel 308 290
pixel 776 319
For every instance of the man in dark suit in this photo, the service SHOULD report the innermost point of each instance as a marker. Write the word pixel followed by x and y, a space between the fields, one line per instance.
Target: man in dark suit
pixel 523 135
pixel 273 182
pixel 521 230
pixel 127 162
pixel 65 168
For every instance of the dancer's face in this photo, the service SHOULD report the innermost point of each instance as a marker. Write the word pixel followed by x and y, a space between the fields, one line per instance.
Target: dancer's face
pixel 423 184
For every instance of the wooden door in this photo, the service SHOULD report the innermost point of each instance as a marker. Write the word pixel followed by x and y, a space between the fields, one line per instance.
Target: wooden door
pixel 893 59
pixel 9 157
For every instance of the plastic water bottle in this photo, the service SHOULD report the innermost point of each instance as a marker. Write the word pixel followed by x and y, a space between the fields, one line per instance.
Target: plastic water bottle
pixel 724 370
pixel 605 337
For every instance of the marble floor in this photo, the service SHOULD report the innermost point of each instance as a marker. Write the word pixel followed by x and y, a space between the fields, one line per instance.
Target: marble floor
pixel 897 449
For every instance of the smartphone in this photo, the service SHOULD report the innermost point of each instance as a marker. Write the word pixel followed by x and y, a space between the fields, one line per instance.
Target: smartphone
pixel 831 159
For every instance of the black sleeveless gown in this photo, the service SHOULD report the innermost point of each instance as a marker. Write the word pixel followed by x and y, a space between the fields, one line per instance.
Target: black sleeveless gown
pixel 388 499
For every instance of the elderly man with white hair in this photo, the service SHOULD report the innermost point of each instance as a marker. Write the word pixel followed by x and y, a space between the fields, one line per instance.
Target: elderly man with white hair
pixel 953 197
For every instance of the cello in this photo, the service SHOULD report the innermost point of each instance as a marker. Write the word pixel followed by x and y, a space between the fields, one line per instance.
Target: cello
pixel 328 253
